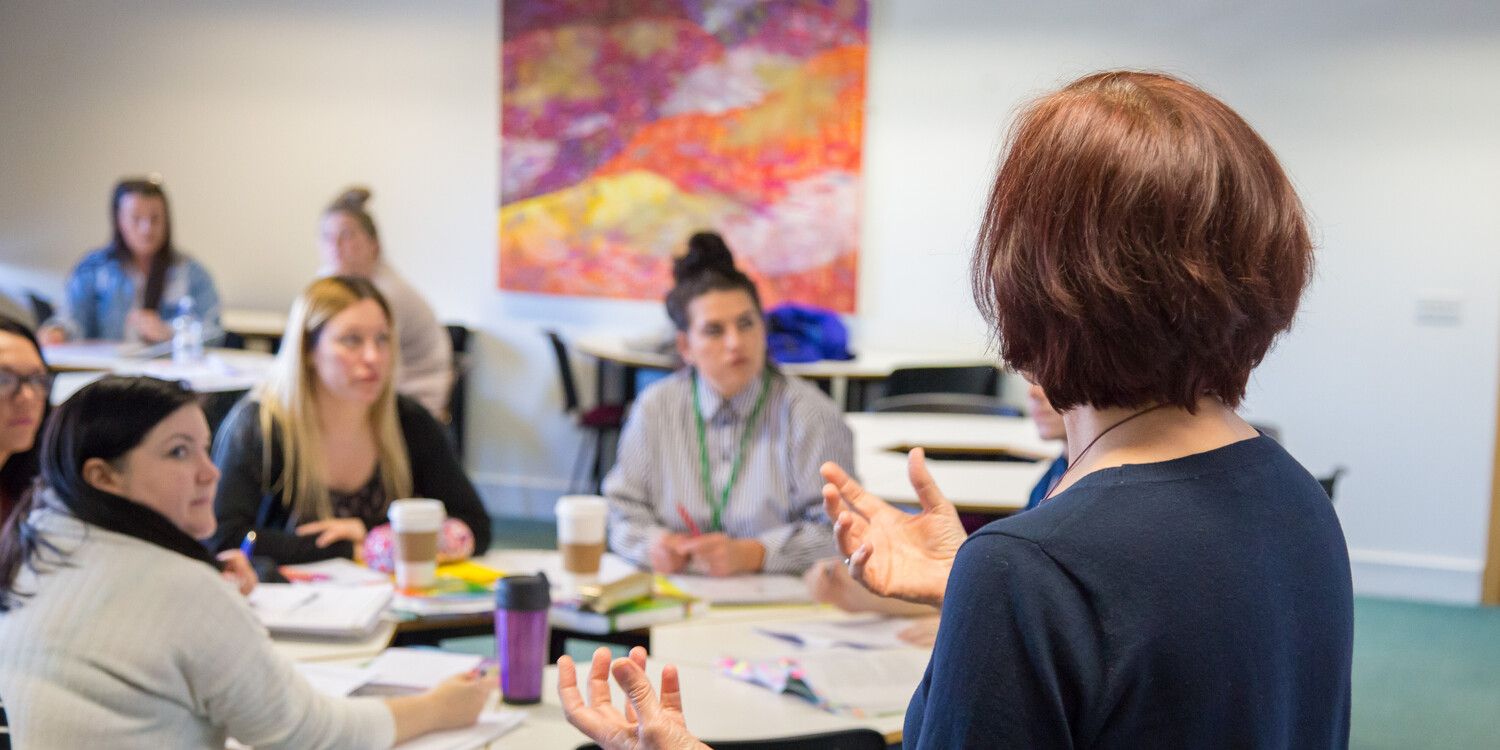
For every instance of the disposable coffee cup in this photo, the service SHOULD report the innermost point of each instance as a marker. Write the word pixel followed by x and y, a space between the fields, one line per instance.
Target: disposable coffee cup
pixel 416 523
pixel 580 532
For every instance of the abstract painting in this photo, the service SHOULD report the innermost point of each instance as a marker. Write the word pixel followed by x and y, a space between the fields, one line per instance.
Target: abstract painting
pixel 626 126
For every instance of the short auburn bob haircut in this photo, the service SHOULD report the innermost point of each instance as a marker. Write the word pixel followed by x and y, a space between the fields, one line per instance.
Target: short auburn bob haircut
pixel 1141 245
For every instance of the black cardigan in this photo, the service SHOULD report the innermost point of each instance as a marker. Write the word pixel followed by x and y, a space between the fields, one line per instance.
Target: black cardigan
pixel 244 502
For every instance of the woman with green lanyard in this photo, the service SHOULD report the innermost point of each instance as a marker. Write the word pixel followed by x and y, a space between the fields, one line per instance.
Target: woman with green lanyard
pixel 718 464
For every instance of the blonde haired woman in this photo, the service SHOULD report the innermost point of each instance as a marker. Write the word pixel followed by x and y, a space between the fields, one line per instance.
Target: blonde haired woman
pixel 313 458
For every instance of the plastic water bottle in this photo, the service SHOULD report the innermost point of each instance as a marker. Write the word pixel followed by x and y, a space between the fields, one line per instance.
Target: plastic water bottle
pixel 187 334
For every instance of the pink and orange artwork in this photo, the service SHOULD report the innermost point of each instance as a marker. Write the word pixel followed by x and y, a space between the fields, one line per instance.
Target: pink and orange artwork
pixel 627 125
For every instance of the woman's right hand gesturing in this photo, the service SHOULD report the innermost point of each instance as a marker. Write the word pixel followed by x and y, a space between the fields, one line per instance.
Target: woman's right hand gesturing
pixel 894 553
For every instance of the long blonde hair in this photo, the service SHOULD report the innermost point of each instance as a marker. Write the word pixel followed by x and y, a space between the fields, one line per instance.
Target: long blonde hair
pixel 288 405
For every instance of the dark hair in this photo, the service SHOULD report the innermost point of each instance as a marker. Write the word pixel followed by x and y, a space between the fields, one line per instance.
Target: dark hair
pixel 20 469
pixel 104 419
pixel 156 274
pixel 1141 245
pixel 351 203
pixel 708 266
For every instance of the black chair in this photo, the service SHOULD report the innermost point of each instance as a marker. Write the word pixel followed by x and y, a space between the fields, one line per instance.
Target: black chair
pixel 946 403
pixel 602 419
pixel 980 380
pixel 1329 481
pixel 847 739
pixel 459 336
pixel 4 728
pixel 41 307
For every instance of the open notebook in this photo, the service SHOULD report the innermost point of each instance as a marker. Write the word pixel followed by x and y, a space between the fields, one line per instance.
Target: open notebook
pixel 319 610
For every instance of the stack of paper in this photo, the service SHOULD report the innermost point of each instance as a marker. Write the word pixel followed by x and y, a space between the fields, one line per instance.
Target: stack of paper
pixel 747 589
pixel 491 724
pixel 334 571
pixel 419 668
pixel 319 610
pixel 861 632
pixel 865 683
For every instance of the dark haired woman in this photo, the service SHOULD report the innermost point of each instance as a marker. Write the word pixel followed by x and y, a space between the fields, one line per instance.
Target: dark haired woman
pixel 718 463
pixel 1185 583
pixel 116 629
pixel 24 386
pixel 132 289
pixel 351 247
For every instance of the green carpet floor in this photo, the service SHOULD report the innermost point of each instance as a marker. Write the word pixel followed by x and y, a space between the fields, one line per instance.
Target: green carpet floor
pixel 1425 675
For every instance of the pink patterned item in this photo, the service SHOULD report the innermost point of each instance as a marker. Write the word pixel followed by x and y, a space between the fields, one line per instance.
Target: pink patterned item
pixel 455 542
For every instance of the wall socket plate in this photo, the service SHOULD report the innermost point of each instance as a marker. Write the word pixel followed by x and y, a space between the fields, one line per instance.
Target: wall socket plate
pixel 1439 309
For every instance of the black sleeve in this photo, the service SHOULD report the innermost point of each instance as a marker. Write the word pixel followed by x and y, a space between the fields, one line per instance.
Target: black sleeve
pixel 242 496
pixel 437 473
pixel 1016 654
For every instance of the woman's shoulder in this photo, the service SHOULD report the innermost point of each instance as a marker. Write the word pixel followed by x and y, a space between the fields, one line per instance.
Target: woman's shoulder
pixel 666 393
pixel 96 258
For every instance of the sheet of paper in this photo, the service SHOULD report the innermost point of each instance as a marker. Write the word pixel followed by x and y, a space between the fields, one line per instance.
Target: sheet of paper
pixel 864 632
pixel 419 668
pixel 750 589
pixel 335 571
pixel 491 724
pixel 873 682
pixel 318 609
pixel 334 680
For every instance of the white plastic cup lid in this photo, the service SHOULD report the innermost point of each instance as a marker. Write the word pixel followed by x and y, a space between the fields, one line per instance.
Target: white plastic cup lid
pixel 417 514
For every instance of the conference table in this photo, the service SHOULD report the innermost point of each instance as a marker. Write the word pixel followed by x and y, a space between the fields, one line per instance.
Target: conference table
pixel 846 378
pixel 983 463
pixel 221 371
pixel 717 707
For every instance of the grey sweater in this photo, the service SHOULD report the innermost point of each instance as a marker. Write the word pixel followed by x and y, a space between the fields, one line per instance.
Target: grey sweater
pixel 131 645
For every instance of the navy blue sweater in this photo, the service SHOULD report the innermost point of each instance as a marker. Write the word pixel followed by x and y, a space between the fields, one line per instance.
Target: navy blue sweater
pixel 1199 602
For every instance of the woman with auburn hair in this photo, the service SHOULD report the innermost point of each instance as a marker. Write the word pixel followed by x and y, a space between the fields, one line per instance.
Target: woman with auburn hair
pixel 315 456
pixel 130 289
pixel 116 629
pixel 1186 582
pixel 350 246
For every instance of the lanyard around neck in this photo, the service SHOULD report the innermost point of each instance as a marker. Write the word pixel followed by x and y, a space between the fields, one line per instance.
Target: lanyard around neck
pixel 716 503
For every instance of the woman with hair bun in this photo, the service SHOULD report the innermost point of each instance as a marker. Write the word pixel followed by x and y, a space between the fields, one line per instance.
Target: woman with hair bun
pixel 718 465
pixel 351 247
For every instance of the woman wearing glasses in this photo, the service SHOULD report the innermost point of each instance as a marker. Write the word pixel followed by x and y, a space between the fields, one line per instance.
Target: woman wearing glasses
pixel 24 386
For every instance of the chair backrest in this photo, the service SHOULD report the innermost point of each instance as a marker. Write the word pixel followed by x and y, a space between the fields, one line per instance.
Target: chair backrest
pixel 1331 480
pixel 458 335
pixel 847 739
pixel 946 403
pixel 979 380
pixel 564 370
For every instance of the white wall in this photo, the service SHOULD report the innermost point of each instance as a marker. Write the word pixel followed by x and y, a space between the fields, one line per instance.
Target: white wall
pixel 258 113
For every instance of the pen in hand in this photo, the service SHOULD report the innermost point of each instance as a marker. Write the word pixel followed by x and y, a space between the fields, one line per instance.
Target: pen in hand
pixel 688 520
pixel 247 547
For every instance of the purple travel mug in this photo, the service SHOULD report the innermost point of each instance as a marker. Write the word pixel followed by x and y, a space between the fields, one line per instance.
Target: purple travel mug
pixel 521 604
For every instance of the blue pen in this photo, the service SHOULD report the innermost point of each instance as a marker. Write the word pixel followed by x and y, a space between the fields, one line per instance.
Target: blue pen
pixel 247 547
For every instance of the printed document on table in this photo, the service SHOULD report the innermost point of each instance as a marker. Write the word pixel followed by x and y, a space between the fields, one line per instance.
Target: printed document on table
pixel 419 668
pixel 491 724
pixel 876 682
pixel 750 589
pixel 859 632
pixel 331 679
pixel 310 609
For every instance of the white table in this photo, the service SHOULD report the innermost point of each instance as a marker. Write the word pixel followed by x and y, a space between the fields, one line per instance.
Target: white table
pixel 221 371
pixel 868 363
pixel 716 707
pixel 984 486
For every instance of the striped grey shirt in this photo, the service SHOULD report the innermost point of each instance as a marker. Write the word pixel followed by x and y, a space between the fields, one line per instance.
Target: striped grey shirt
pixel 777 499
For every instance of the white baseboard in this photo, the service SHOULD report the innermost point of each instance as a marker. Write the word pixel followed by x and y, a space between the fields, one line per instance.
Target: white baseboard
pixel 1407 575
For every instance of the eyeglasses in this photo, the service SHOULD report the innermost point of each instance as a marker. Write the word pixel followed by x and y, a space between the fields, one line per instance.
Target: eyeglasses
pixel 10 383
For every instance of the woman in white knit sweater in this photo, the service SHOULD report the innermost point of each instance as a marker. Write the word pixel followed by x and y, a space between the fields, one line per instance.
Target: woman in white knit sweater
pixel 116 627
